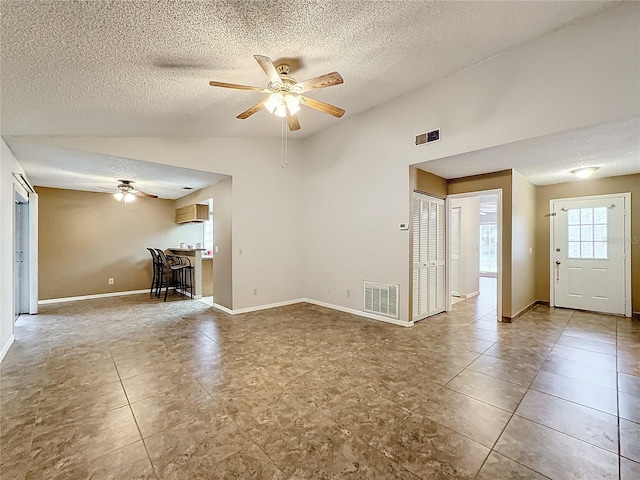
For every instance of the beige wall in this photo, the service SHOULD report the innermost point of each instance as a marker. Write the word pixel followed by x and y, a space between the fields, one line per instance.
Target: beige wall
pixel 221 193
pixel 523 290
pixel 85 238
pixel 596 186
pixel 499 180
pixel 430 183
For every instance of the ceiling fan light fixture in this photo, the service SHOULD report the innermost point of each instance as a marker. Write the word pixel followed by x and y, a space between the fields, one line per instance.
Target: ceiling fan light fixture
pixel 124 197
pixel 585 172
pixel 293 104
pixel 275 100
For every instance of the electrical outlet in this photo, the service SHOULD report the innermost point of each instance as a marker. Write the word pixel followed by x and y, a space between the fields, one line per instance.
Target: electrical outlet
pixel 111 280
pixel 255 291
pixel 348 293
pixel 216 249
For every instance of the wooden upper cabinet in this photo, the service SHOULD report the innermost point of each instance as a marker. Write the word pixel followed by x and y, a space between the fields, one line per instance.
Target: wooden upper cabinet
pixel 192 213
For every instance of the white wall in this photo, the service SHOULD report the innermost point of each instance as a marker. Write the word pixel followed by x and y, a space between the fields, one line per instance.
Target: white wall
pixel 319 229
pixel 522 243
pixel 8 185
pixel 267 205
pixel 356 175
pixel 469 244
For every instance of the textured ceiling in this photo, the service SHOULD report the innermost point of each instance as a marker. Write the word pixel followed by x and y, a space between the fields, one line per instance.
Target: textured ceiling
pixel 614 147
pixel 141 68
pixel 75 170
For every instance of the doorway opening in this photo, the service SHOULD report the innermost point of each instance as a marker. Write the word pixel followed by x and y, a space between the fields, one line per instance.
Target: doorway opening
pixel 475 254
pixel 20 255
pixel 207 257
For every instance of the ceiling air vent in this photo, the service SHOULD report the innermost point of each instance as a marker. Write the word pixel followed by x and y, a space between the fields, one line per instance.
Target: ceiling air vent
pixel 432 136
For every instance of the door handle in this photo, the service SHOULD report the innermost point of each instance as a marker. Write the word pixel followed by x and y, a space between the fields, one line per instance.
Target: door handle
pixel 558 262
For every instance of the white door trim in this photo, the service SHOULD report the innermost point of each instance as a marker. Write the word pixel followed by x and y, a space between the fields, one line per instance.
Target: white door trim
pixel 498 192
pixel 626 240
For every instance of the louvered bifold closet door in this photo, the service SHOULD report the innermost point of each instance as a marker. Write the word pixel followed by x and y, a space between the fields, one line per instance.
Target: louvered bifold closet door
pixel 428 256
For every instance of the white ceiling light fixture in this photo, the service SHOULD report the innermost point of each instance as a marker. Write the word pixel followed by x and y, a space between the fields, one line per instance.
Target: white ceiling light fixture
pixel 124 197
pixel 584 172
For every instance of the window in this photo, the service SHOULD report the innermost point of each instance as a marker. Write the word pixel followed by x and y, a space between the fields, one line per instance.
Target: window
pixel 587 233
pixel 488 248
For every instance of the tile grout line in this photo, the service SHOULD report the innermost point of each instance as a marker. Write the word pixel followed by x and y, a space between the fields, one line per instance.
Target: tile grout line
pixel 618 408
pixel 518 406
pixel 153 467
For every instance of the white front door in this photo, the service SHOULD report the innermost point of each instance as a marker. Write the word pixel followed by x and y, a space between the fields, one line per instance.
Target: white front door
pixel 588 253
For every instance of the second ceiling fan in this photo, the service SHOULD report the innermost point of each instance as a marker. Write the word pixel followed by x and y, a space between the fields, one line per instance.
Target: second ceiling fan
pixel 285 93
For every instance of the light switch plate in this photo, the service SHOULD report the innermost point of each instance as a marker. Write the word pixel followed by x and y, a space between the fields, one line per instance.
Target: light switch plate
pixel 404 226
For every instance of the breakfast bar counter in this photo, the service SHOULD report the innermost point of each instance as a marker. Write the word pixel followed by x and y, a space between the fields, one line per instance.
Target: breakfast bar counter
pixel 195 256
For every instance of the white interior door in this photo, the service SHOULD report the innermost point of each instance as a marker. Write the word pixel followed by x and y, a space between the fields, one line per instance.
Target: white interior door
pixel 455 251
pixel 428 256
pixel 588 253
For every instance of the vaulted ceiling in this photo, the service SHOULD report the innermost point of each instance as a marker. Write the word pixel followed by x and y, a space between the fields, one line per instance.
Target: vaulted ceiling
pixel 143 68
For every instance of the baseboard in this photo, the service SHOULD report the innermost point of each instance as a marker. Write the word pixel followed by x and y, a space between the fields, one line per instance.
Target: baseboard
pixel 258 307
pixel 6 348
pixel 89 297
pixel 513 318
pixel 471 295
pixel 360 313
pixel 352 311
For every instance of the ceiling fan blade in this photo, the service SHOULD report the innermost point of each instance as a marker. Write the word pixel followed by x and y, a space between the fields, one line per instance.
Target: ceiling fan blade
pixel 323 81
pixel 323 107
pixel 142 194
pixel 247 113
pixel 269 68
pixel 293 123
pixel 237 87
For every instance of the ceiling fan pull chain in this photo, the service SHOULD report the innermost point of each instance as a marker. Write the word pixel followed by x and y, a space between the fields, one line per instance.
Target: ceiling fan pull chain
pixel 285 152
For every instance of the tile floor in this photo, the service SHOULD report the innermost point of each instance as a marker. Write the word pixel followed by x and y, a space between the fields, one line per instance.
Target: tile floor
pixel 130 387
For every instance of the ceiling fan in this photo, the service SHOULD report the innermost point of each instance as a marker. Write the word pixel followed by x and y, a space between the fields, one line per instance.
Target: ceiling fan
pixel 285 93
pixel 126 192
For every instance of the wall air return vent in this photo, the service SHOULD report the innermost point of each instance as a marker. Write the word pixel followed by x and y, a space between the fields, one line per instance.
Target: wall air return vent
pixel 432 136
pixel 381 298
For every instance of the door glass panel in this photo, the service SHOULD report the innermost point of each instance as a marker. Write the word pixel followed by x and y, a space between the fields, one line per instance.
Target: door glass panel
pixel 574 233
pixel 586 215
pixel 574 216
pixel 586 250
pixel 586 233
pixel 587 227
pixel 599 233
pixel 574 250
pixel 600 250
pixel 600 215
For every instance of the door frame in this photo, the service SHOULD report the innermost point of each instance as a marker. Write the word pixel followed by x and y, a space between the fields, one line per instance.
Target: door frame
pixel 626 237
pixel 448 208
